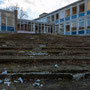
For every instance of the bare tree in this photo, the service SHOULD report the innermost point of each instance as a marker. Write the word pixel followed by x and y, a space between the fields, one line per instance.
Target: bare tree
pixel 21 13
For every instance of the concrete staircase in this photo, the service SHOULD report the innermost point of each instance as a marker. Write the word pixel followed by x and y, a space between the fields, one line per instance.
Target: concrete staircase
pixel 38 54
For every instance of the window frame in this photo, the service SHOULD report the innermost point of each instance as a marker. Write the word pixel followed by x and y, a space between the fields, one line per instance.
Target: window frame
pixel 82 28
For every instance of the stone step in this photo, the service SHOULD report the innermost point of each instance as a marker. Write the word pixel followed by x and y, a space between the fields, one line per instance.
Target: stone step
pixel 45 59
pixel 43 48
pixel 40 75
pixel 44 52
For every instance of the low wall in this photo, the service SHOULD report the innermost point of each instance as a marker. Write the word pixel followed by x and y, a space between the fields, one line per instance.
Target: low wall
pixel 25 32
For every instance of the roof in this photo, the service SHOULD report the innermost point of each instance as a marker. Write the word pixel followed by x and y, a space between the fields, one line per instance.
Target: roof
pixel 3 10
pixel 60 9
pixel 33 21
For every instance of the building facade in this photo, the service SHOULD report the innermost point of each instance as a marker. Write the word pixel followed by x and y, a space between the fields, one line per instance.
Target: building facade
pixel 8 21
pixel 73 19
pixel 30 26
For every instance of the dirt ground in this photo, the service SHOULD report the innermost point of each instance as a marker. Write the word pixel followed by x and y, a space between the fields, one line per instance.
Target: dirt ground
pixel 49 85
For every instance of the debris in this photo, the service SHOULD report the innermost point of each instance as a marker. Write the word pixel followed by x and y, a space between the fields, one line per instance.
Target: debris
pixel 4 89
pixel 1 81
pixel 56 66
pixel 36 84
pixel 78 76
pixel 7 83
pixel 38 80
pixel 15 81
pixel 41 85
pixel 20 79
pixel 21 52
pixel 5 71
pixel 4 45
pixel 42 46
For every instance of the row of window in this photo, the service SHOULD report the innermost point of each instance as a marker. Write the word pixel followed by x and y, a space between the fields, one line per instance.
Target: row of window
pixel 67 13
pixel 74 26
pixel 9 19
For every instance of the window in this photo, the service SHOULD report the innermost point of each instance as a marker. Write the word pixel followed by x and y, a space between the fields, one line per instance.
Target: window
pixel 81 25
pixel 10 19
pixel 52 17
pixel 88 24
pixel 81 8
pixel 67 28
pixel 29 26
pixel 48 19
pixel 3 18
pixel 61 28
pixel 74 10
pixel 62 14
pixel 88 5
pixel 67 12
pixel 26 27
pixel 74 26
pixel 57 16
pixel 18 27
pixel 56 27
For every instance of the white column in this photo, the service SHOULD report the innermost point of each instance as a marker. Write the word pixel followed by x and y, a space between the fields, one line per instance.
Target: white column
pixel 70 20
pixel 85 16
pixel 47 29
pixel 77 18
pixel 64 28
pixel 65 22
pixel 44 28
pixel 38 28
pixel 0 21
pixel 41 28
pixel 27 26
pixel 34 27
pixel 31 26
pixel 6 22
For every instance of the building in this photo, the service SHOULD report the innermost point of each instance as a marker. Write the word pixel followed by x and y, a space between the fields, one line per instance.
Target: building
pixel 73 19
pixel 8 21
pixel 30 26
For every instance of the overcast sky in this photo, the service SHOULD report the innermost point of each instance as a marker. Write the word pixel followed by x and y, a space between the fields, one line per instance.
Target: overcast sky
pixel 36 7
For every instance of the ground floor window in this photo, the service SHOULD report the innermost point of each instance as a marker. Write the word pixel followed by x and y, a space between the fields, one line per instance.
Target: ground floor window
pixel 56 28
pixel 88 24
pixel 81 25
pixel 61 28
pixel 67 28
pixel 74 26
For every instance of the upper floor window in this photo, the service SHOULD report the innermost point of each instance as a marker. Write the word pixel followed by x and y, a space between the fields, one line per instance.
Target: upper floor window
pixel 67 28
pixel 81 25
pixel 88 24
pixel 52 17
pixel 74 26
pixel 67 12
pixel 74 10
pixel 88 5
pixel 81 8
pixel 10 19
pixel 3 18
pixel 57 16
pixel 48 19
